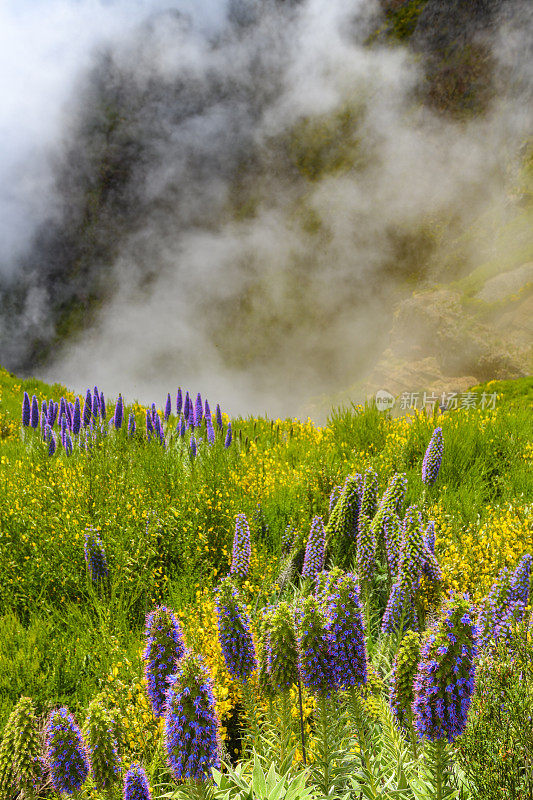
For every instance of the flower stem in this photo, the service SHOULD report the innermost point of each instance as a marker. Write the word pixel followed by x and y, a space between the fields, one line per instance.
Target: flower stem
pixel 302 733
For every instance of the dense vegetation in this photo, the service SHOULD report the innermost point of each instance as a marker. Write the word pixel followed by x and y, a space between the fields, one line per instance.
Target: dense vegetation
pixel 158 522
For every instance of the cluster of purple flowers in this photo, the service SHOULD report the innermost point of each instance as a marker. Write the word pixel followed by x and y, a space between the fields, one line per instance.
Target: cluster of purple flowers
pixel 315 549
pixel 95 556
pixel 315 647
pixel 136 784
pixel 66 754
pixel 234 632
pixel 164 649
pixel 340 596
pixel 433 458
pixel 191 729
pixel 81 426
pixel 504 603
pixel 444 680
pixel 242 549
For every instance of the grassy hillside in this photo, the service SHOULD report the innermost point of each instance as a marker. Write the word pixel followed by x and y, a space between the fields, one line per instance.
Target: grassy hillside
pixel 166 519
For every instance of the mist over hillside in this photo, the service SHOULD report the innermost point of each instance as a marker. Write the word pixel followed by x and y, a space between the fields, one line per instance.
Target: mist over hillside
pixel 238 196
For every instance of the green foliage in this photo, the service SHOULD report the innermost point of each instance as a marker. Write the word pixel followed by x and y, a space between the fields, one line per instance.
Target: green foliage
pixel 496 750
pixel 7 749
pixel 404 670
pixel 99 735
pixel 249 782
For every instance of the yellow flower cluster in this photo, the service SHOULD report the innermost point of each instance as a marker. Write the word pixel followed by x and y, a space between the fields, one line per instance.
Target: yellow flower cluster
pixel 471 563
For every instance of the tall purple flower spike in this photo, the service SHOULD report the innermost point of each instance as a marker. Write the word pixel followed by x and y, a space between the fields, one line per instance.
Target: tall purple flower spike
pixel 34 414
pixel 227 441
pixel 168 407
pixel 219 417
pixel 179 401
pixel 186 406
pixel 87 409
pixel 76 417
pixel 26 411
pixel 199 410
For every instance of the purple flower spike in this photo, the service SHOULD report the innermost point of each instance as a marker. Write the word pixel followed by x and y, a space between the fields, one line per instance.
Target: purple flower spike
pixel 191 419
pixel 400 607
pixel 210 430
pixel 76 417
pixel 26 411
pixel 186 406
pixel 520 581
pixel 131 424
pixel 430 537
pixel 219 417
pixel 444 680
pixel 68 445
pixel 96 406
pixel 119 413
pixel 95 556
pixel 234 632
pixel 227 441
pixel 315 550
pixel 207 408
pixel 315 647
pixel 34 414
pixel 193 446
pixel 242 550
pixel 136 784
pixel 168 407
pixel 149 423
pixel 179 402
pixel 87 409
pixel 433 458
pixel 102 405
pixel 164 649
pixel 52 443
pixel 192 729
pixel 342 603
pixel 62 407
pixel 66 754
pixel 181 427
pixel 199 411
pixel 70 414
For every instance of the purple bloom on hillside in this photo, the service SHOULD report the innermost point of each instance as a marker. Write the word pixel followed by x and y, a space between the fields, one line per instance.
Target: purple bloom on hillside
pixel 192 445
pixel 444 680
pixel 315 647
pixel 51 443
pixel 168 407
pixel 87 408
pixel 433 458
pixel 131 424
pixel 191 419
pixel 342 602
pixel 102 405
pixel 315 549
pixel 68 445
pixel 164 649
pixel 34 414
pixel 219 416
pixel 149 423
pixel 242 550
pixel 207 411
pixel 26 410
pixel 76 417
pixel 234 632
pixel 430 537
pixel 136 784
pixel 44 417
pixel 62 407
pixel 96 406
pixel 119 413
pixel 181 427
pixel 520 581
pixel 69 408
pixel 192 729
pixel 186 406
pixel 199 410
pixel 227 440
pixel 66 754
pixel 210 430
pixel 400 609
pixel 179 402
pixel 95 556
pixel 334 496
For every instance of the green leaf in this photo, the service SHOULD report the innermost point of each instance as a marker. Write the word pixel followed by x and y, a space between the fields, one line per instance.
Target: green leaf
pixel 258 780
